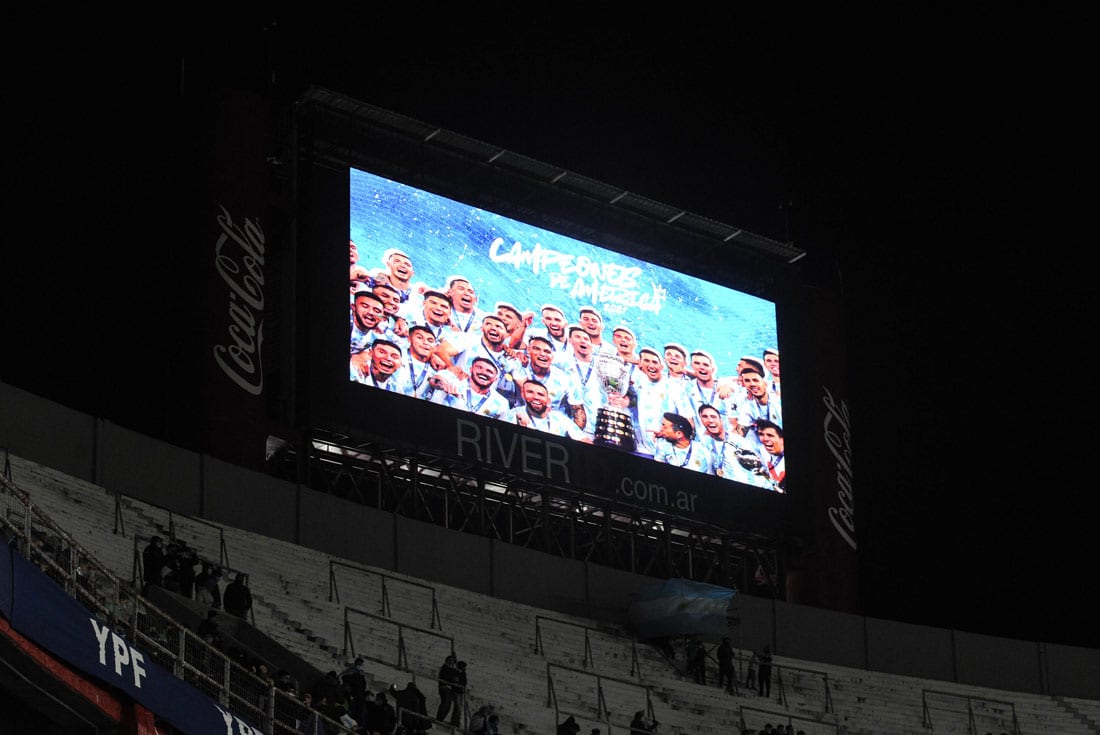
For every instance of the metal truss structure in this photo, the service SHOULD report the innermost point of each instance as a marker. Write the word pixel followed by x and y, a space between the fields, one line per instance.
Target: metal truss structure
pixel 517 509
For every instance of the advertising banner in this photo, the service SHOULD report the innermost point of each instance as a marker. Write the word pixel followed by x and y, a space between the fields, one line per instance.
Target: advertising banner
pixel 42 611
pixel 226 285
pixel 826 573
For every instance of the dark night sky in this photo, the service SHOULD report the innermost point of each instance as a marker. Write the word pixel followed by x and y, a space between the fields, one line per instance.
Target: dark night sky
pixel 934 167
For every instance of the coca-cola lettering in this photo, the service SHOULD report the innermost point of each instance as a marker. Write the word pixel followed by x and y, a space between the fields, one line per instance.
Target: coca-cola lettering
pixel 246 303
pixel 844 518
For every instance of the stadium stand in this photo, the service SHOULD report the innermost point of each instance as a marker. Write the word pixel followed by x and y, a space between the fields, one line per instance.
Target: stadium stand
pixel 535 666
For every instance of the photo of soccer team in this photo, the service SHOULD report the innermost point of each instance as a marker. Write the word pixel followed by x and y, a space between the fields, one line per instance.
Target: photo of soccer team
pixel 474 311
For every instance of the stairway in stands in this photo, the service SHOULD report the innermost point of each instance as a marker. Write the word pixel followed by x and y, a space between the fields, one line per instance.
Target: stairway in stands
pixel 329 610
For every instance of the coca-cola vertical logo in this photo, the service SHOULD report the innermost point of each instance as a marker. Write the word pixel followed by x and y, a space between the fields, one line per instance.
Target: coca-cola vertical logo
pixel 239 261
pixel 838 439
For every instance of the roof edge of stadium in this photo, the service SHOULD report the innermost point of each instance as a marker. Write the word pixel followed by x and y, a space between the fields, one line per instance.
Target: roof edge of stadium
pixel 554 176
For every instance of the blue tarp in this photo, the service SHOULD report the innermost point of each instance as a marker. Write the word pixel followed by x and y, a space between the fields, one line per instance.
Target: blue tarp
pixel 680 607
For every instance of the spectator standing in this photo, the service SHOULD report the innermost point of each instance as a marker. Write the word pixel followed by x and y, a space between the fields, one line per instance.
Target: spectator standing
pixel 751 678
pixel 310 721
pixel 725 665
pixel 766 672
pixel 413 708
pixel 697 661
pixel 354 680
pixel 152 562
pixel 188 558
pixel 237 597
pixel 170 571
pixel 447 679
pixel 326 692
pixel 460 694
pixel 208 580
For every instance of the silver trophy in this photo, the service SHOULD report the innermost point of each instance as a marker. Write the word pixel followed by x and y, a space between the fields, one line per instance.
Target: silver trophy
pixel 614 425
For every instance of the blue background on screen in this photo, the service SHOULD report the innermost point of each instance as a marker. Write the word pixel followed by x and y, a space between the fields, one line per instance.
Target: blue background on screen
pixel 444 237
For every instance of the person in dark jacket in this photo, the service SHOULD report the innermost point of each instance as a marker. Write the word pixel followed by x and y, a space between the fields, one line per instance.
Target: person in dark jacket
pixel 447 679
pixel 765 672
pixel 152 562
pixel 237 598
pixel 569 726
pixel 725 665
pixel 381 717
pixel 413 708
pixel 188 558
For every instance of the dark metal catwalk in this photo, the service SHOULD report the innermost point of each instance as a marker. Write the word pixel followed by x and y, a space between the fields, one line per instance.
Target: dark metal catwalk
pixel 515 509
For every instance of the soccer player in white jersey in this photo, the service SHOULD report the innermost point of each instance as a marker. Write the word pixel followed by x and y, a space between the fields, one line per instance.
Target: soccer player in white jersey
pixel 384 362
pixel 400 272
pixel 676 361
pixel 516 322
pixel 416 366
pixel 435 314
pixel 654 394
pixel 678 447
pixel 705 389
pixel 366 315
pixel 592 321
pixel 771 362
pixel 535 413
pixel 583 365
pixel 554 329
pixel 762 404
pixel 396 325
pixel 563 387
pixel 732 457
pixel 466 316
pixel 475 394
pixel 771 437
pixel 458 350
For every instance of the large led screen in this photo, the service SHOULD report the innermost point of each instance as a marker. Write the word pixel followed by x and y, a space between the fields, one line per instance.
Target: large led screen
pixel 473 310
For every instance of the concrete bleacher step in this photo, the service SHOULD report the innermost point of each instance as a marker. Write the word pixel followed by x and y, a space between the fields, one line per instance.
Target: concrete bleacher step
pixel 291 604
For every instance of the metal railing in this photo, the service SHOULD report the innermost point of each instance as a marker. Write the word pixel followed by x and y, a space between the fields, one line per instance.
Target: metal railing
pixel 586 656
pixel 402 658
pixel 792 676
pixel 970 701
pixel 601 711
pixel 119 606
pixel 384 603
pixel 223 550
pixel 753 719
pixel 138 578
